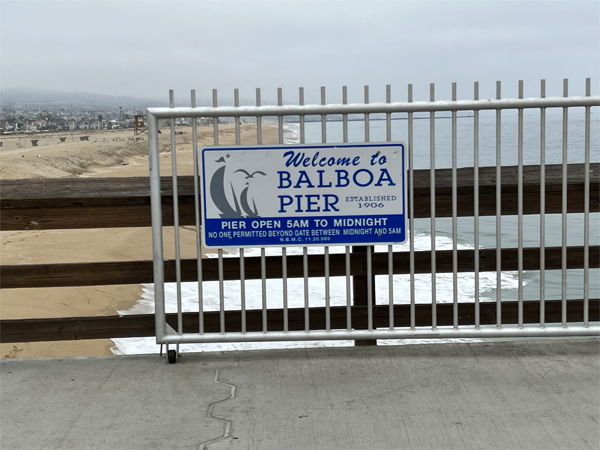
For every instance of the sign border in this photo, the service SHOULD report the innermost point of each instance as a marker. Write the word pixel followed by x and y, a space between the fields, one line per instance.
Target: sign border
pixel 203 190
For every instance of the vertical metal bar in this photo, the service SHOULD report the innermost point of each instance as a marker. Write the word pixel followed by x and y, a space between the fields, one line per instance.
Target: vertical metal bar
pixel 236 102
pixel 565 132
pixel 391 285
pixel 176 216
pixel 238 137
pixel 323 118
pixel 370 287
pixel 586 212
pixel 284 275
pixel 326 248
pixel 301 102
pixel 388 116
pixel 197 211
pixel 520 209
pixel 432 206
pixel 306 300
pixel 348 291
pixel 221 293
pixel 263 277
pixel 367 127
pixel 243 288
pixel 345 116
pixel 411 205
pixel 258 119
pixel 280 116
pixel 216 119
pixel 476 204
pixel 305 249
pixel 498 209
pixel 388 138
pixel 543 209
pixel 160 323
pixel 327 292
pixel 454 217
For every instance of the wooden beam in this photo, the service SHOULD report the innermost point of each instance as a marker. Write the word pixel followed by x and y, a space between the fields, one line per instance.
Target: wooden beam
pixel 125 202
pixel 106 327
pixel 140 272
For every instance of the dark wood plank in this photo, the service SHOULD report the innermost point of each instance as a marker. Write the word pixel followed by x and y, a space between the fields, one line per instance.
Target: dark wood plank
pixel 80 328
pixel 139 272
pixel 83 217
pixel 65 192
pixel 123 202
pixel 136 190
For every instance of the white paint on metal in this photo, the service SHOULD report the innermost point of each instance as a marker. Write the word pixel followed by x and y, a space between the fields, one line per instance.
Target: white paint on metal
pixel 166 334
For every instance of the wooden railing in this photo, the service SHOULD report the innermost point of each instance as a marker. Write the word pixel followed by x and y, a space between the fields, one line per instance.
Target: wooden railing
pixel 125 202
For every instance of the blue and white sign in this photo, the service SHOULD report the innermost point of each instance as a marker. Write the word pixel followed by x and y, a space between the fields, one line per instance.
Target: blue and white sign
pixel 299 195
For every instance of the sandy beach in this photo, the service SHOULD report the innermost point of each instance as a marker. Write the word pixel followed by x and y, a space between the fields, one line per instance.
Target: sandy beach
pixel 115 153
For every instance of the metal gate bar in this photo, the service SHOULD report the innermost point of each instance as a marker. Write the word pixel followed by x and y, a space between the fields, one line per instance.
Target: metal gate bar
pixel 476 204
pixel 432 206
pixel 520 207
pixel 164 332
pixel 454 214
pixel 176 216
pixel 543 208
pixel 197 217
pixel 411 206
pixel 564 204
pixel 586 221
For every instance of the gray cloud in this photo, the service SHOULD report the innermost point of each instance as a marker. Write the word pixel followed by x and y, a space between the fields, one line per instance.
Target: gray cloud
pixel 144 48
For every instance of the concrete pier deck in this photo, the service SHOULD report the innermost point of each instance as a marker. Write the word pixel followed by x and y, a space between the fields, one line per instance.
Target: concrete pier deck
pixel 541 394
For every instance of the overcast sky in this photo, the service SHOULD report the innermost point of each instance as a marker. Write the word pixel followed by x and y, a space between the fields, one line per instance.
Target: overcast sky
pixel 144 48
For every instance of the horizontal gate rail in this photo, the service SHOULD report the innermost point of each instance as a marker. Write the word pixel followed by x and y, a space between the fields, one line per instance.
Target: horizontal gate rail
pixel 139 272
pixel 80 328
pixel 374 108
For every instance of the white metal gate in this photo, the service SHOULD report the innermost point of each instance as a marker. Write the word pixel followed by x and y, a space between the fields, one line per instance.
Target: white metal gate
pixel 388 111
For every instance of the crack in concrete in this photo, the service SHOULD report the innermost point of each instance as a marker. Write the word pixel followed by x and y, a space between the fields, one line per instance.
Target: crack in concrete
pixel 209 414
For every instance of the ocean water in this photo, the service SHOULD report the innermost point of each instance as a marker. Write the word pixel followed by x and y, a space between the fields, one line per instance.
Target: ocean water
pixel 422 232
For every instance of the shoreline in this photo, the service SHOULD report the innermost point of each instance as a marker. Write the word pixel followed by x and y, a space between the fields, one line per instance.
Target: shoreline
pixel 106 154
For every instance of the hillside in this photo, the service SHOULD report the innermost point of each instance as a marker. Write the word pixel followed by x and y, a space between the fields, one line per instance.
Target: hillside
pixel 29 96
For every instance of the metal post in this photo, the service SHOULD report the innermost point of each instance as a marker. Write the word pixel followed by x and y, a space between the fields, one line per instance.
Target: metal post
pixel 543 209
pixel 197 215
pixel 157 236
pixel 432 207
pixel 411 188
pixel 360 291
pixel 476 205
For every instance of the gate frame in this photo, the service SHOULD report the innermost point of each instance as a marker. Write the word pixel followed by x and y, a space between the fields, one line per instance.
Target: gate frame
pixel 165 334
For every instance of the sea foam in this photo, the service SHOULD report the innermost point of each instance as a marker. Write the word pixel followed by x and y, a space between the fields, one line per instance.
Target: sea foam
pixel 316 294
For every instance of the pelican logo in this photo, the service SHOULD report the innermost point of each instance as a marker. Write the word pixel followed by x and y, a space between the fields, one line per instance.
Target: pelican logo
pixel 241 205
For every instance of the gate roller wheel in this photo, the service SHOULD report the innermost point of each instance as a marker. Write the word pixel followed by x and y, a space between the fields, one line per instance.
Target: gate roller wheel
pixel 172 355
